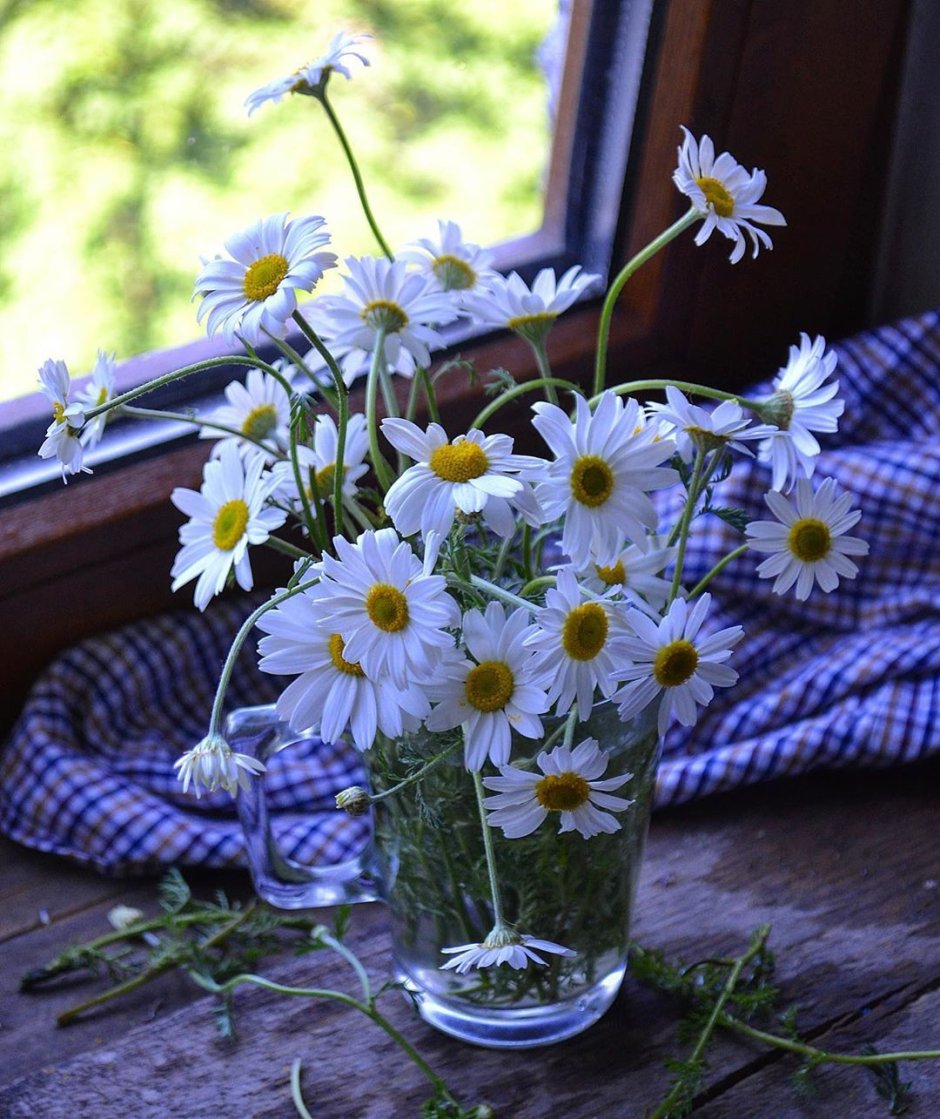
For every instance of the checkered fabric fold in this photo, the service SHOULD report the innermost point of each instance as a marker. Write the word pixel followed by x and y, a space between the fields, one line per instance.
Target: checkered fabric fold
pixel 848 679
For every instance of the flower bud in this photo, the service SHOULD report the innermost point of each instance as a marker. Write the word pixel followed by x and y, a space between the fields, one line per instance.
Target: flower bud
pixel 354 801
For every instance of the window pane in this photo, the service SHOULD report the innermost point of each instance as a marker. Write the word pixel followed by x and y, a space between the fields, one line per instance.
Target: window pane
pixel 134 155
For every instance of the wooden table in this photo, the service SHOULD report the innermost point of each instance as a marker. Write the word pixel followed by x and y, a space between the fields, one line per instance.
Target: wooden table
pixel 844 867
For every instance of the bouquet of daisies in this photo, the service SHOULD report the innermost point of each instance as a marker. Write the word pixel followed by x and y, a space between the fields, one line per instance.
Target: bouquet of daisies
pixel 442 582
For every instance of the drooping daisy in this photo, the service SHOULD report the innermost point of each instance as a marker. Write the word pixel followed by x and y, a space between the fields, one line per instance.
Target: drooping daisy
pixel 668 663
pixel 381 295
pixel 509 302
pixel 310 79
pixel 725 194
pixel 497 692
pixel 455 264
pixel 98 391
pixel 634 574
pixel 212 764
pixel 502 946
pixel 256 290
pixel 226 516
pixel 393 615
pixel 570 784
pixel 572 640
pixel 697 428
pixel 473 474
pixel 260 409
pixel 802 402
pixel 605 464
pixel 331 693
pixel 807 541
pixel 63 435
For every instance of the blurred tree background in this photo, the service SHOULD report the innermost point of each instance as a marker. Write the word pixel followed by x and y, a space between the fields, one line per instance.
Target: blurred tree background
pixel 130 156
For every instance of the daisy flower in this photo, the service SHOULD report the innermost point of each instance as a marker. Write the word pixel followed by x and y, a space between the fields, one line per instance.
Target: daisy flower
pixel 311 79
pixel 696 428
pixel 502 946
pixel 570 785
pixel 572 641
pixel 255 291
pixel 807 541
pixel 605 463
pixel 454 264
pixel 213 764
pixel 226 515
pixel 668 663
pixel 392 614
pixel 802 402
pixel 725 195
pixel 331 693
pixel 260 409
pixel 63 435
pixel 319 460
pixel 634 574
pixel 98 391
pixel 498 692
pixel 507 301
pixel 474 474
pixel 381 295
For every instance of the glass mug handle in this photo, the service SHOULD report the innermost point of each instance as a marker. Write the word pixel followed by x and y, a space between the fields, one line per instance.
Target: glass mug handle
pixel 279 880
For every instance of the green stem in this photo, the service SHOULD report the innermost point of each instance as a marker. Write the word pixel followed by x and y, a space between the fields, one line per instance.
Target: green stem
pixel 285 548
pixel 793 1046
pixel 296 1092
pixel 157 414
pixel 416 776
pixel 383 471
pixel 507 397
pixel 613 293
pixel 655 384
pixel 356 174
pixel 757 944
pixel 719 566
pixel 500 593
pixel 681 531
pixel 429 394
pixel 498 919
pixel 537 584
pixel 545 371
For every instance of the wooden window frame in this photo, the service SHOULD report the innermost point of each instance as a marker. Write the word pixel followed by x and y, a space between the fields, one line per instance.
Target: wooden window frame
pixel 96 554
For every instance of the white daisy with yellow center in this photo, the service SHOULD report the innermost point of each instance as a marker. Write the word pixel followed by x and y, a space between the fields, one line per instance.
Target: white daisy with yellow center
pixel 725 195
pixel 212 764
pixel 509 302
pixel 98 391
pixel 310 79
pixel 63 435
pixel 381 296
pixel 803 402
pixel 227 515
pixel 502 946
pixel 707 430
pixel 318 461
pixel 259 409
pixel 605 465
pixel 807 541
pixel 331 694
pixel 475 475
pixel 572 641
pixel 634 575
pixel 255 292
pixel 392 614
pixel 497 692
pixel 670 664
pixel 570 784
pixel 452 263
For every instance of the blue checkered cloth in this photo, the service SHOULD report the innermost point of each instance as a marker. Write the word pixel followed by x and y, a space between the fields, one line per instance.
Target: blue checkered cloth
pixel 848 679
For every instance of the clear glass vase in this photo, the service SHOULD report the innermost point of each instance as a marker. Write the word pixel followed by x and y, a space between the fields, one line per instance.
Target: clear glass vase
pixel 427 863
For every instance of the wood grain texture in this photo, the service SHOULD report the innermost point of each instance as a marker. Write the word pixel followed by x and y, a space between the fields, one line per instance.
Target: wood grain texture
pixel 843 866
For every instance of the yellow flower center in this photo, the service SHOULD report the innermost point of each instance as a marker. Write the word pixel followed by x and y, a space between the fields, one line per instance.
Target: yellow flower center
pixel 540 321
pixel 717 196
pixel 382 314
pixel 325 477
pixel 102 396
pixel 387 607
pixel 263 278
pixel 454 274
pixel 613 576
pixel 592 481
pixel 260 421
pixel 585 631
pixel 562 792
pixel 337 645
pixel 229 525
pixel 675 663
pixel 459 462
pixel 58 412
pixel 809 539
pixel 489 686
